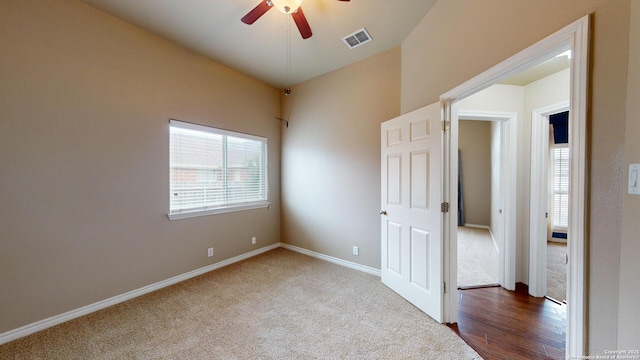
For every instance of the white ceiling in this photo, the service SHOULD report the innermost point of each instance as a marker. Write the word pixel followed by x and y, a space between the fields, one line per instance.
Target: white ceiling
pixel 539 71
pixel 213 29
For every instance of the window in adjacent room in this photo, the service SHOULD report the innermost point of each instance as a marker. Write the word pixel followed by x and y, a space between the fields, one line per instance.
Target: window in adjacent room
pixel 560 178
pixel 214 171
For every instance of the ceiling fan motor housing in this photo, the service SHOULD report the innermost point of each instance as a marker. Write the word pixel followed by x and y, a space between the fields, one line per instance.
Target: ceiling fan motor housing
pixel 286 6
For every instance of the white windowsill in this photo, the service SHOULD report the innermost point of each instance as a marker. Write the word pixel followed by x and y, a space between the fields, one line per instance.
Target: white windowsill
pixel 219 210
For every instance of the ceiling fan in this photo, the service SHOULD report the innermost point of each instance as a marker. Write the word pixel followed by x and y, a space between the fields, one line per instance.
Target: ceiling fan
pixel 286 6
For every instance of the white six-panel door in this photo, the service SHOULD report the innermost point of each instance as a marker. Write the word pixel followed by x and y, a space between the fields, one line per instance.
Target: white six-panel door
pixel 411 215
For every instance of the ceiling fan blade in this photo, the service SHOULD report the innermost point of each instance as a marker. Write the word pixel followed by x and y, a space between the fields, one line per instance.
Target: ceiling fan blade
pixel 301 22
pixel 256 13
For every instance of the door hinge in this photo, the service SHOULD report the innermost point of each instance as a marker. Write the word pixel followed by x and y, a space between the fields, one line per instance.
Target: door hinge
pixel 444 286
pixel 446 125
pixel 444 207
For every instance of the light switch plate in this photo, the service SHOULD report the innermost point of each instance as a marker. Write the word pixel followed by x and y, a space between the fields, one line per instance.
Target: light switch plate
pixel 634 179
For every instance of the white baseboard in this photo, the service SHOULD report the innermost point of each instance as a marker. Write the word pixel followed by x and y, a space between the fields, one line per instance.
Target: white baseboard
pixel 476 226
pixel 490 233
pixel 331 259
pixel 73 314
pixel 103 304
pixel 495 243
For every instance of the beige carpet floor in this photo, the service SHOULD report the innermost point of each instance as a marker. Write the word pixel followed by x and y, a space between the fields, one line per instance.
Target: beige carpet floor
pixel 278 305
pixel 556 270
pixel 477 257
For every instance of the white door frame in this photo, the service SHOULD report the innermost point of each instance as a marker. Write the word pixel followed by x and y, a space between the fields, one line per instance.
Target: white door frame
pixel 538 204
pixel 508 176
pixel 576 38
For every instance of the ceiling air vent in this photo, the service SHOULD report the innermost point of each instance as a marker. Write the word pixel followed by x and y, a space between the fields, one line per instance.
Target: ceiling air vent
pixel 357 38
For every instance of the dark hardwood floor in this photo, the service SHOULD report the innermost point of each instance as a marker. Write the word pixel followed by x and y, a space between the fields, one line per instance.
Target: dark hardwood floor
pixel 501 324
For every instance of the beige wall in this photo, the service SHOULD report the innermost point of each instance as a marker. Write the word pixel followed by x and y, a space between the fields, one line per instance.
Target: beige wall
pixel 628 313
pixel 84 106
pixel 331 158
pixel 459 39
pixel 474 142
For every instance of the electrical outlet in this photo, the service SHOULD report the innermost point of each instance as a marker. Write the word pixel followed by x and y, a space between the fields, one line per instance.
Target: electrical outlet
pixel 253 240
pixel 210 252
pixel 634 179
pixel 356 251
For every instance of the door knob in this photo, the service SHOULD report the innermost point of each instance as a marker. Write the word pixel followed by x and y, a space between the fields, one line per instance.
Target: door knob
pixel 383 212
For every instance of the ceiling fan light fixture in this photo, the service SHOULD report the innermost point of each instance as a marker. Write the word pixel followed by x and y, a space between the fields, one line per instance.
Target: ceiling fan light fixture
pixel 287 6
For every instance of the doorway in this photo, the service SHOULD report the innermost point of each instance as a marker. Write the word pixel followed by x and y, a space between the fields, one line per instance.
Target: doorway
pixel 544 254
pixel 477 249
pixel 575 38
pixel 474 303
pixel 502 208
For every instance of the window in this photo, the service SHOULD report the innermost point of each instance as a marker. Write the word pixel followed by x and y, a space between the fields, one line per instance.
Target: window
pixel 560 178
pixel 214 171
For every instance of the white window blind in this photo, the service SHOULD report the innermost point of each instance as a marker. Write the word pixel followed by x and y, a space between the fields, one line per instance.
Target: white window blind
pixel 560 159
pixel 214 170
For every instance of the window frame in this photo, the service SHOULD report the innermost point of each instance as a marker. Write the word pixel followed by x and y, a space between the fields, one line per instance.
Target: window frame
pixel 226 207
